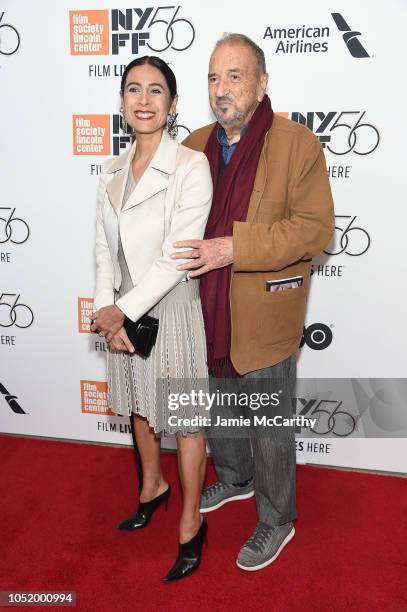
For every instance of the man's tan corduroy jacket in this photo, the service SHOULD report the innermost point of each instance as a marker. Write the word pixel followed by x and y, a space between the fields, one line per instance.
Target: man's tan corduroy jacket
pixel 290 219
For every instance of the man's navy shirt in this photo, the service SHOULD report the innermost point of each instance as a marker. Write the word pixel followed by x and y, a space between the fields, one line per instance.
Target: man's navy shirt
pixel 227 149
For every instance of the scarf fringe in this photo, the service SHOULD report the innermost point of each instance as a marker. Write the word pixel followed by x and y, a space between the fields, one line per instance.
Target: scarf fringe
pixel 220 367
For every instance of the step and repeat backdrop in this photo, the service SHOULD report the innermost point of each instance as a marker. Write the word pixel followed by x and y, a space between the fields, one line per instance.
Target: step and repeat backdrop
pixel 334 67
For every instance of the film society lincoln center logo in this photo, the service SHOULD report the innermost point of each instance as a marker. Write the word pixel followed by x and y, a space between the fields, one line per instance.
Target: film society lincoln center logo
pixel 108 31
pixel 85 311
pixel 91 134
pixel 94 397
pixel 93 392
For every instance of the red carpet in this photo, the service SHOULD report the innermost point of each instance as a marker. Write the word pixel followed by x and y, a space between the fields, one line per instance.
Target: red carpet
pixel 60 502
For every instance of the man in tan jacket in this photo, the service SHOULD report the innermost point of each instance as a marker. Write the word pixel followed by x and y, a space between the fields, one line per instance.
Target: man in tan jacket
pixel 272 212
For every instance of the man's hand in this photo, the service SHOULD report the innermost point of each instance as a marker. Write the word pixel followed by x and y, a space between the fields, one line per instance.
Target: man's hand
pixel 107 321
pixel 121 342
pixel 206 255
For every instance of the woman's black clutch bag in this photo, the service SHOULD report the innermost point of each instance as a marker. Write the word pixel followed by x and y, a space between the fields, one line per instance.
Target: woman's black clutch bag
pixel 142 333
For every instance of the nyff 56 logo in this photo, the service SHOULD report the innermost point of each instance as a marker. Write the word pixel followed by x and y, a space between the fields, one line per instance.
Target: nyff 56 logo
pixel 13 312
pixel 340 132
pixel 9 37
pixel 98 32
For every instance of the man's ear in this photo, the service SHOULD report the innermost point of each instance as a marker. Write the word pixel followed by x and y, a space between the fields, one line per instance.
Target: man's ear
pixel 264 79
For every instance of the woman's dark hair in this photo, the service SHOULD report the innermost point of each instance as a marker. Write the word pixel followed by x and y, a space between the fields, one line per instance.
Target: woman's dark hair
pixel 158 63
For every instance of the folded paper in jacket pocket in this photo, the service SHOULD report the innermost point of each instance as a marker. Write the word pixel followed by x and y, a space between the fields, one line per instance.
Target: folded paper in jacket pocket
pixel 281 284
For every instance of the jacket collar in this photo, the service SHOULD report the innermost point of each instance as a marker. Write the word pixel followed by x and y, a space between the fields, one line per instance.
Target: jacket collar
pixel 154 179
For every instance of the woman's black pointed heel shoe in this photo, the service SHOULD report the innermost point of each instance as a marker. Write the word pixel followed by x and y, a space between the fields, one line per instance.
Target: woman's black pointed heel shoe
pixel 189 555
pixel 144 512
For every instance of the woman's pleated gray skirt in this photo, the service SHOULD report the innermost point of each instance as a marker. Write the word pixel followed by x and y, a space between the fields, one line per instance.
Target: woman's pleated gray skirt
pixel 177 364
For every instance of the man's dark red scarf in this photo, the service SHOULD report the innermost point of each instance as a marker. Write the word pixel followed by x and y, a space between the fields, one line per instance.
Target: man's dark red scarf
pixel 231 198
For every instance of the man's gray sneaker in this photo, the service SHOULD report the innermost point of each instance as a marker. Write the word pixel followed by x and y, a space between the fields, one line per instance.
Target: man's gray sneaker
pixel 264 546
pixel 218 494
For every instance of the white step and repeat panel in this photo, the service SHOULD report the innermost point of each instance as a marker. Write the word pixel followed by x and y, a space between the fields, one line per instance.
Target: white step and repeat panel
pixel 335 67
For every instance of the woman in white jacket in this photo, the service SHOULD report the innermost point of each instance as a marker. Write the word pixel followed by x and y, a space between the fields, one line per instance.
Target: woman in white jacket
pixel 153 195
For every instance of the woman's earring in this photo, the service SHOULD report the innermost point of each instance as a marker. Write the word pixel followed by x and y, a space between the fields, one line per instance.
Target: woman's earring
pixel 124 122
pixel 172 125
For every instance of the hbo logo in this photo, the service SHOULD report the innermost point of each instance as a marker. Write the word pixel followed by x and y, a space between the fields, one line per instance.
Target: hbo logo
pixel 317 336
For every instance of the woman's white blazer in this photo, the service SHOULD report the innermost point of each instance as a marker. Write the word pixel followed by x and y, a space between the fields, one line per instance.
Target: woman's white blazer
pixel 170 202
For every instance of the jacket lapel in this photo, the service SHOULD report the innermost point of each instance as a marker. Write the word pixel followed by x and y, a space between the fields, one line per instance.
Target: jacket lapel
pixel 152 182
pixel 119 168
pixel 154 179
pixel 259 183
pixel 266 167
pixel 114 190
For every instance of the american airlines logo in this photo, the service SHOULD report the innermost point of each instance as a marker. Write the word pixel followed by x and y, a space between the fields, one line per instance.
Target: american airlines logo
pixel 355 47
pixel 313 38
pixel 11 400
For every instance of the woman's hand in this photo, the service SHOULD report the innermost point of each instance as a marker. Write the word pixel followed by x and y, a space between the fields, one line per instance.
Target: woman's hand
pixel 107 321
pixel 121 342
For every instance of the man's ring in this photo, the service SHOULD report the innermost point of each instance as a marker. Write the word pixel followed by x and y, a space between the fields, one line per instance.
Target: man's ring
pixel 102 334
